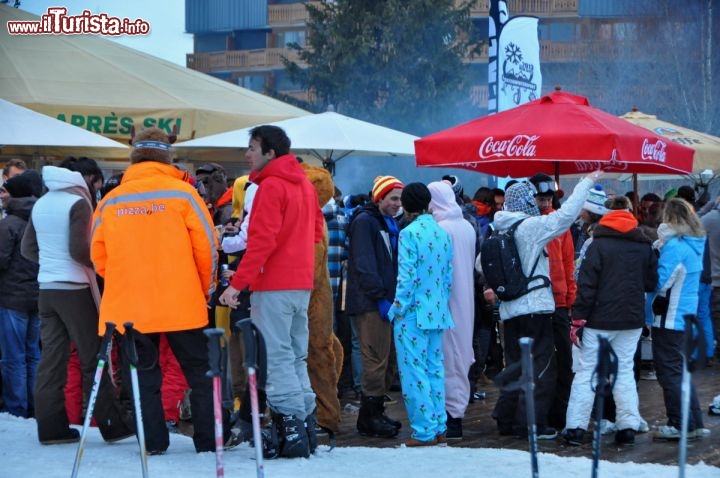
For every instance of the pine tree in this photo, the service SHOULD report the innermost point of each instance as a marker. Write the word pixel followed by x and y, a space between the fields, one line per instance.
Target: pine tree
pixel 392 62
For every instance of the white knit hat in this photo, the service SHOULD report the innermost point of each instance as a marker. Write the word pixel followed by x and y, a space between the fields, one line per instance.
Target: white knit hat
pixel 595 203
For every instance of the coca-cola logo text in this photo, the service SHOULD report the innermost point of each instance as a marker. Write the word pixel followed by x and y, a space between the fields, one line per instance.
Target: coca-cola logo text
pixel 521 145
pixel 612 166
pixel 654 151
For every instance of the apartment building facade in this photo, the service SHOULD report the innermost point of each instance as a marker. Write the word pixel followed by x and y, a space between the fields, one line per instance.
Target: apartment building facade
pixel 587 46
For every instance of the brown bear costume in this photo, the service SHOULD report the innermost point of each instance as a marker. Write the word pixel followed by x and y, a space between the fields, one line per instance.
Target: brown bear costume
pixel 325 353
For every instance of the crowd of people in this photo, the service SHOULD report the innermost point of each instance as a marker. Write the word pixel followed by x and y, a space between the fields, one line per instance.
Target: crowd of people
pixel 354 296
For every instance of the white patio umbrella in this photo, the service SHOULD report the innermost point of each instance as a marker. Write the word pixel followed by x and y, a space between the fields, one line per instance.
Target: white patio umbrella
pixel 25 132
pixel 328 136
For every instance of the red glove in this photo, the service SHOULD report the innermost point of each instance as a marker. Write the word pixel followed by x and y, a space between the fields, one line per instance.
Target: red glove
pixel 576 331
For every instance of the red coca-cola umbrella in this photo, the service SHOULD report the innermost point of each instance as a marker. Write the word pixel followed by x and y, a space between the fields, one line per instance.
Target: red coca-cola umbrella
pixel 559 133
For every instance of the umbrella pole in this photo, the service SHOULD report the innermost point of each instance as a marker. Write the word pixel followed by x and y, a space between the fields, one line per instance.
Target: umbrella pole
pixel 329 165
pixel 557 174
pixel 635 200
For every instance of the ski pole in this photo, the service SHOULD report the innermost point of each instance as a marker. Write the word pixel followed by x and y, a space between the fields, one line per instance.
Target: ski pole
pixel 599 404
pixel 606 372
pixel 105 346
pixel 684 405
pixel 133 360
pixel 215 361
pixel 689 346
pixel 254 346
pixel 528 384
pixel 227 401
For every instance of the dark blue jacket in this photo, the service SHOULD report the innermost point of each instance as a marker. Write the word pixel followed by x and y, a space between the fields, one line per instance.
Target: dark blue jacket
pixel 18 276
pixel 618 269
pixel 372 264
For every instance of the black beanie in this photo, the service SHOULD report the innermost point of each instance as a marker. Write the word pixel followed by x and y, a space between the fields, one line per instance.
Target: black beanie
pixel 27 184
pixel 415 197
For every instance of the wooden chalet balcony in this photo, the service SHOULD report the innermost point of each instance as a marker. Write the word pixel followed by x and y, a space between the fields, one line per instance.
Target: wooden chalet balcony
pixel 271 58
pixel 479 95
pixel 234 60
pixel 291 14
pixel 561 52
pixel 549 51
pixel 540 8
pixel 557 52
pixel 607 50
pixel 480 56
pixel 295 13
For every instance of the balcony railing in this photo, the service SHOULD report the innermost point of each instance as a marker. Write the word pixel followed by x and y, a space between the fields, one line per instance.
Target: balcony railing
pixel 267 58
pixel 481 55
pixel 479 95
pixel 291 14
pixel 544 8
pixel 561 52
pixel 302 95
pixel 549 51
pixel 584 50
pixel 295 13
pixel 271 58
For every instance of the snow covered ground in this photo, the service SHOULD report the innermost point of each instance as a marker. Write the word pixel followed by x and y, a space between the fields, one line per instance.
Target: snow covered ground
pixel 21 456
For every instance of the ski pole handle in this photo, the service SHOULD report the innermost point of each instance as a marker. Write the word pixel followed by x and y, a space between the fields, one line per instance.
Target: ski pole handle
pixel 130 348
pixel 105 344
pixel 248 333
pixel 214 352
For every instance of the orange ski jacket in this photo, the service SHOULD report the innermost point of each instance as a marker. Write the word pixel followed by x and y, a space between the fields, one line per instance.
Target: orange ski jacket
pixel 154 243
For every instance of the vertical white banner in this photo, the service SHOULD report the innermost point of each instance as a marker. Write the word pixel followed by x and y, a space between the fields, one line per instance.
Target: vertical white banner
pixel 497 17
pixel 518 59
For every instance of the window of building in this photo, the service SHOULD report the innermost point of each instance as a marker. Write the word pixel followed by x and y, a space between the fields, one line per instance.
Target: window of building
pixel 250 39
pixel 626 31
pixel 285 38
pixel 284 83
pixel 221 75
pixel 605 31
pixel 481 29
pixel 211 42
pixel 252 82
pixel 558 32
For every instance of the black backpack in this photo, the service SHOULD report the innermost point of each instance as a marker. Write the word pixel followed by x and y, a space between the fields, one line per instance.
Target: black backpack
pixel 502 268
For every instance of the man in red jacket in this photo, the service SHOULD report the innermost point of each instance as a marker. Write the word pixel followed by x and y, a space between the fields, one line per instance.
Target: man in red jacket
pixel 561 254
pixel 278 268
